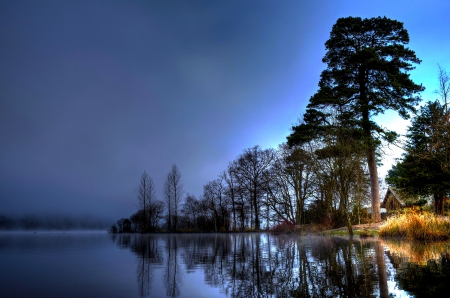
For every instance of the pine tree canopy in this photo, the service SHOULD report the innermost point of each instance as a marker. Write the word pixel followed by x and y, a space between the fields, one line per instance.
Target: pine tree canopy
pixel 367 73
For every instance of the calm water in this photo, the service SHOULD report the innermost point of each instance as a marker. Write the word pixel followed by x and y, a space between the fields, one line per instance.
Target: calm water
pixel 97 264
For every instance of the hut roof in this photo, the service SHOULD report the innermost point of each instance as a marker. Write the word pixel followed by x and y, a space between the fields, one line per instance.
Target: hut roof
pixel 395 196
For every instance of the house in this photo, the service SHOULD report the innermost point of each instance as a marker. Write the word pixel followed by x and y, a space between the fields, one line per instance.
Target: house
pixel 391 201
pixel 126 227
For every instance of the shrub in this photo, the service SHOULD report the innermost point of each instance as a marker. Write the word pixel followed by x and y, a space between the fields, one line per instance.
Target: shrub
pixel 284 227
pixel 112 229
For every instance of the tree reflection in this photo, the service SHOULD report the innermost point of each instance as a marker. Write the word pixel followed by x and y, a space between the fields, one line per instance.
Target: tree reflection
pixel 333 267
pixel 381 263
pixel 172 274
pixel 147 249
pixel 265 265
pixel 150 255
pixel 261 265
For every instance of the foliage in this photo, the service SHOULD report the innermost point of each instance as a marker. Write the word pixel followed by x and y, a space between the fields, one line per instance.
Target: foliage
pixel 419 202
pixel 360 215
pixel 338 176
pixel 424 169
pixel 319 214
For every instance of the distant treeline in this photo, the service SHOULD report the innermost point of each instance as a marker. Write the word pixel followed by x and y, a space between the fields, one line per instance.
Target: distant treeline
pixel 52 222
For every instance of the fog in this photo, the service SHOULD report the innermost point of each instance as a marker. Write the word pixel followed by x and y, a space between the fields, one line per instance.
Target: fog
pixel 51 222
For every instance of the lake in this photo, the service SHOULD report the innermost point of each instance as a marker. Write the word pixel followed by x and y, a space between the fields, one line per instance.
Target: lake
pixel 97 264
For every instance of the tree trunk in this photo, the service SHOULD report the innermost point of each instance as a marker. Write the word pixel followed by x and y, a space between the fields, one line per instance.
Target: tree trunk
pixel 349 225
pixel 374 187
pixel 215 220
pixel 234 211
pixel 255 205
pixel 299 200
pixel 169 223
pixel 439 203
pixel 371 160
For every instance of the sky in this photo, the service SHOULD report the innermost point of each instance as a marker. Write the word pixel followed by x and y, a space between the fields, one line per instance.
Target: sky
pixel 94 93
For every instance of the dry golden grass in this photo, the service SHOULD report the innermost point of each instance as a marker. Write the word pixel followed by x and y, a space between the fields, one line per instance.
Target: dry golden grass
pixel 418 226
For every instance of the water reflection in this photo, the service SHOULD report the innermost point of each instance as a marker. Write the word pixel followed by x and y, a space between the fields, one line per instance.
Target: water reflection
pixel 172 273
pixel 265 265
pixel 416 252
pixel 150 257
pixel 423 269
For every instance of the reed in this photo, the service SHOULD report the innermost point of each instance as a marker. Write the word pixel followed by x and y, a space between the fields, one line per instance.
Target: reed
pixel 417 226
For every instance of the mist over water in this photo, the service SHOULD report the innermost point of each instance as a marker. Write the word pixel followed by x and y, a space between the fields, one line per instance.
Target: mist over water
pixel 54 222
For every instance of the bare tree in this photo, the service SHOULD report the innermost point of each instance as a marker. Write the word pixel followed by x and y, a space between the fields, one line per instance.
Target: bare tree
pixel 289 183
pixel 191 211
pixel 444 93
pixel 444 87
pixel 231 185
pixel 251 165
pixel 173 193
pixel 146 198
pixel 217 202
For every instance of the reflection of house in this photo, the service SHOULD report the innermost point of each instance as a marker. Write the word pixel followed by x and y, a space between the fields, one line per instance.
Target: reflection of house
pixel 126 227
pixel 391 201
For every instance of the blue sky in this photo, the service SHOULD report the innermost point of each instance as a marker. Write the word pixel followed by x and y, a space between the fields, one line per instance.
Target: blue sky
pixel 92 93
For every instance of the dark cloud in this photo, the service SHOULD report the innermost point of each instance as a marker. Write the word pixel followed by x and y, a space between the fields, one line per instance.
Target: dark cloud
pixel 92 93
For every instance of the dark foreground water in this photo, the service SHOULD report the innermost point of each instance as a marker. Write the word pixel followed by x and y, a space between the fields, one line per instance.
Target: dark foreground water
pixel 97 264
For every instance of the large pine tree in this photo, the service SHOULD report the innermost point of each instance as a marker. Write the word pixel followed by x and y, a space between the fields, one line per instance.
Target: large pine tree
pixel 367 74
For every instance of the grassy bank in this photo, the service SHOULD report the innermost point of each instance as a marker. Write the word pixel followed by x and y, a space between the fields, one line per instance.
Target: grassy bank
pixel 363 230
pixel 417 226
